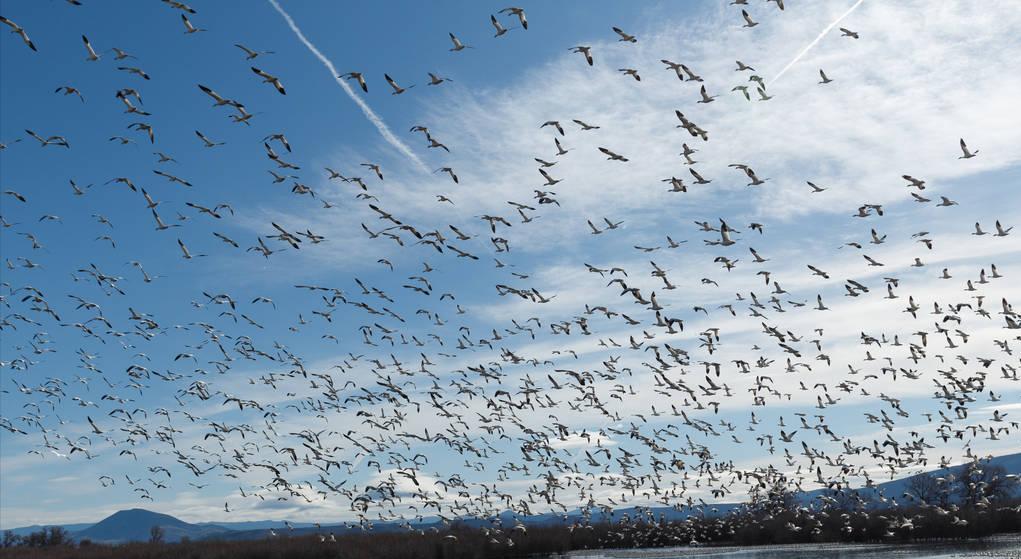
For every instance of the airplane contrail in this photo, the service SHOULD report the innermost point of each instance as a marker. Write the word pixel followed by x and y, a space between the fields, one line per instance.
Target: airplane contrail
pixel 369 113
pixel 816 40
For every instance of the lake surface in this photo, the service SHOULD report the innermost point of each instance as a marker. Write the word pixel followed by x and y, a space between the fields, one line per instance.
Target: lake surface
pixel 998 547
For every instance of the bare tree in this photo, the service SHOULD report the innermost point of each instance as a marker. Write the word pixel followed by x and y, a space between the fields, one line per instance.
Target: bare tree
pixel 925 488
pixel 156 534
pixel 980 483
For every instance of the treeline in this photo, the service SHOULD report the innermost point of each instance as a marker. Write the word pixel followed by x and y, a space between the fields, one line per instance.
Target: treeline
pixel 453 543
pixel 976 503
pixel 471 543
pixel 460 542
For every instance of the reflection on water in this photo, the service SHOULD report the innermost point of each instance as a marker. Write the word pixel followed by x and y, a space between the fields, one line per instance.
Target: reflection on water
pixel 1001 547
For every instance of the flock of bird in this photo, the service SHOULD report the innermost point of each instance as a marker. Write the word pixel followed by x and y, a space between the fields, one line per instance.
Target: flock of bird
pixel 513 427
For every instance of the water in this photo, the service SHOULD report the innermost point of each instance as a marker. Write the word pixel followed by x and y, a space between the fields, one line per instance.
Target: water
pixel 997 547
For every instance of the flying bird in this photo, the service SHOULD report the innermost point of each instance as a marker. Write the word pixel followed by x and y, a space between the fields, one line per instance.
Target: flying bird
pixel 20 31
pixel 92 56
pixel 845 32
pixel 252 54
pixel 624 37
pixel 458 45
pixel 267 78
pixel 188 27
pixel 397 89
pixel 967 154
pixel 587 51
pixel 517 12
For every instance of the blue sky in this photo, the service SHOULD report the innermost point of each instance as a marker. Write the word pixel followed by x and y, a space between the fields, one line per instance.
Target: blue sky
pixel 885 115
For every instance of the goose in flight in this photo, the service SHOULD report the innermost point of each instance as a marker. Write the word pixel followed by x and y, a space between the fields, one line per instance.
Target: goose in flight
pixel 357 76
pixel 77 191
pixel 123 95
pixel 550 181
pixel 676 184
pixel 137 71
pixel 397 89
pixel 587 51
pixel 692 76
pixel 252 54
pixel 500 30
pixel 967 153
pixel 845 32
pixel 818 272
pixel 15 28
pixel 756 181
pixel 912 181
pixel 143 127
pixel 517 12
pixel 69 90
pixel 375 168
pixel 824 80
pixel 121 54
pixel 267 78
pixel 188 27
pixel 17 196
pixel 179 6
pixel 706 98
pixel 52 140
pixel 206 141
pixel 186 253
pixel 448 171
pixel 436 80
pixel 748 22
pixel 219 99
pixel 698 177
pixel 92 57
pixel 630 72
pixel 624 37
pixel 160 225
pixel 458 45
pixel 676 67
pixel 613 156
pixel 172 178
pixel 433 143
pixel 554 124
pixel 278 178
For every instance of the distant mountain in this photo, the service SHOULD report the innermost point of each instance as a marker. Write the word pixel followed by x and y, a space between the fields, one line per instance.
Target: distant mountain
pixel 257 524
pixel 897 487
pixel 135 524
pixel 26 530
